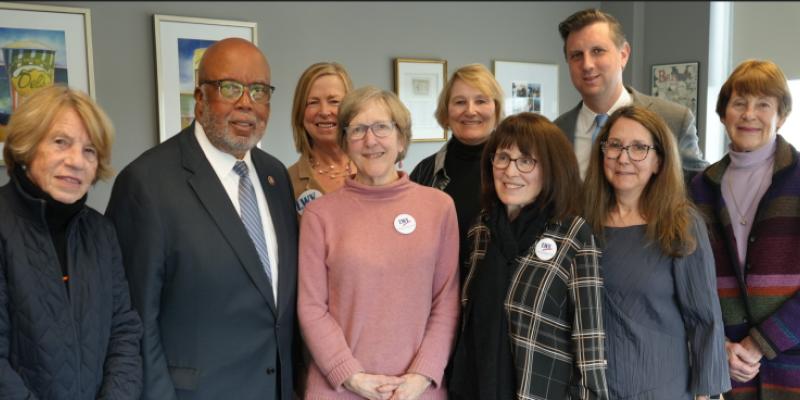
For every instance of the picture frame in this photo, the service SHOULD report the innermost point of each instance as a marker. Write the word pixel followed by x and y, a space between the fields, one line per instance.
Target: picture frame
pixel 528 87
pixel 677 82
pixel 418 83
pixel 42 46
pixel 180 43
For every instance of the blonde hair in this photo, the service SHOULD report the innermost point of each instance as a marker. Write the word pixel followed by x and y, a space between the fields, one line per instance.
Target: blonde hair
pixel 356 101
pixel 32 121
pixel 663 203
pixel 302 140
pixel 478 77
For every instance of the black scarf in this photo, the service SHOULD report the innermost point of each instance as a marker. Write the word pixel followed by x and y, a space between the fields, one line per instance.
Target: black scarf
pixel 484 364
pixel 57 214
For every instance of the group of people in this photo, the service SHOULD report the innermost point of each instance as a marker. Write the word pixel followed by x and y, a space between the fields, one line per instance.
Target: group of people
pixel 594 257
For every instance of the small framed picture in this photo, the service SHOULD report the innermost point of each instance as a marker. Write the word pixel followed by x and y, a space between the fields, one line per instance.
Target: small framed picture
pixel 677 83
pixel 42 46
pixel 528 87
pixel 418 83
pixel 180 44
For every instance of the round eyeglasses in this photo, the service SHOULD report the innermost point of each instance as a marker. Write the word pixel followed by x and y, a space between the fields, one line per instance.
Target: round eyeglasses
pixel 503 160
pixel 233 90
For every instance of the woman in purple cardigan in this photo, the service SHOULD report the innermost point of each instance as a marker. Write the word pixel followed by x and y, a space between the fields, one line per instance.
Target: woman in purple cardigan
pixel 751 199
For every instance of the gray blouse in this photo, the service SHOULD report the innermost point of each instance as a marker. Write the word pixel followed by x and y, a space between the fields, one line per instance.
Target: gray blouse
pixel 654 306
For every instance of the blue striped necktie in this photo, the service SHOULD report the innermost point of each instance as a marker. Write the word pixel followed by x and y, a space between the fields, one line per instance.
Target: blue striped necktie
pixel 248 207
pixel 599 121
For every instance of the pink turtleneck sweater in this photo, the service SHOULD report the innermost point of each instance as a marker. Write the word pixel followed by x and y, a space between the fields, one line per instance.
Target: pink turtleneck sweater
pixel 376 296
pixel 743 185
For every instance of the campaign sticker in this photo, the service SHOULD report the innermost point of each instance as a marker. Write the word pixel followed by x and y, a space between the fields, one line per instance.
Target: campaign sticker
pixel 306 197
pixel 546 249
pixel 405 224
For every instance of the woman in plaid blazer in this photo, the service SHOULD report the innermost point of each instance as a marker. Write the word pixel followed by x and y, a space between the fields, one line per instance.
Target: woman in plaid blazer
pixel 532 323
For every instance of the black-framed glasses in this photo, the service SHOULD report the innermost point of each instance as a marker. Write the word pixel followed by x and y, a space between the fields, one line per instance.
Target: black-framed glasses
pixel 503 160
pixel 233 90
pixel 636 151
pixel 380 129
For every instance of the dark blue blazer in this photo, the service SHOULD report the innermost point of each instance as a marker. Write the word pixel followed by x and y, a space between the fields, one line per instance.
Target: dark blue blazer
pixel 211 327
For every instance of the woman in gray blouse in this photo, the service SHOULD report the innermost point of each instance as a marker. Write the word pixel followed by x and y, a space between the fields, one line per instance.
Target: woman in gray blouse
pixel 657 264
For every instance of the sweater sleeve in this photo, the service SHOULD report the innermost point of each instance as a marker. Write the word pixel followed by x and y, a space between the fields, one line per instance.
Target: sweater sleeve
pixel 781 330
pixel 321 332
pixel 696 290
pixel 588 335
pixel 434 351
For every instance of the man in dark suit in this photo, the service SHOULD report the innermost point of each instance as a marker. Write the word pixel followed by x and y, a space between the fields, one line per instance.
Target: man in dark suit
pixel 597 51
pixel 216 291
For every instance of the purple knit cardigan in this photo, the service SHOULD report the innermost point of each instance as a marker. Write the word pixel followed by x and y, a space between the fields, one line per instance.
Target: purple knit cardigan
pixel 762 299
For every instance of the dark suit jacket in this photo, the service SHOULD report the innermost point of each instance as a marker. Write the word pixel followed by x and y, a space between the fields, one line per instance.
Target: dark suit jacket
pixel 211 327
pixel 679 119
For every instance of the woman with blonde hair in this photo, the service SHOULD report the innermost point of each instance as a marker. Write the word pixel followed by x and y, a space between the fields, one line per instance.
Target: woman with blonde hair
pixel 67 328
pixel 657 264
pixel 751 201
pixel 322 166
pixel 470 106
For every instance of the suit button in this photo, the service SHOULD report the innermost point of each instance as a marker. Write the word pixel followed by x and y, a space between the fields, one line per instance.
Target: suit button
pixel 748 266
pixel 270 371
pixel 752 239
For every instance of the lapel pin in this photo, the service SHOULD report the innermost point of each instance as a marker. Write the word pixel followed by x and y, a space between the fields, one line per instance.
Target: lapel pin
pixel 271 180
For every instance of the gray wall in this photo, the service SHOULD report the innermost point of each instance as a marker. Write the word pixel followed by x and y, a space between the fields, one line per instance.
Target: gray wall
pixel 767 30
pixel 364 36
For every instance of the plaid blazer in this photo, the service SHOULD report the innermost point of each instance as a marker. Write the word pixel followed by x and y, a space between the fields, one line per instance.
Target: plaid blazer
pixel 554 311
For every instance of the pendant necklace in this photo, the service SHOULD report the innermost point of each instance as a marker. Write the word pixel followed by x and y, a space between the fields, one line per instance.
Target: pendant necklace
pixel 742 217
pixel 331 171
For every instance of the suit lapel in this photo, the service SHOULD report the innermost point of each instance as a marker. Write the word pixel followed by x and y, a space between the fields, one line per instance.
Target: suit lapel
pixel 206 185
pixel 277 211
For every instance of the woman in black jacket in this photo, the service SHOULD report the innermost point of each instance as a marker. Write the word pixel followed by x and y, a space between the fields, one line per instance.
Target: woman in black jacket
pixel 67 329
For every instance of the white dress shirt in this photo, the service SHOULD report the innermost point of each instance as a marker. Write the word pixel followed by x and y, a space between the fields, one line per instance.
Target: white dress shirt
pixel 223 163
pixel 584 127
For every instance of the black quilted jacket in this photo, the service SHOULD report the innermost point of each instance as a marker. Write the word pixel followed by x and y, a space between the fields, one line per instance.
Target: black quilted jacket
pixel 55 346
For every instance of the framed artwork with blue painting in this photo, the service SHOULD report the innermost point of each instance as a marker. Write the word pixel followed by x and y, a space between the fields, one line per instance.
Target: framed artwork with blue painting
pixel 41 46
pixel 180 44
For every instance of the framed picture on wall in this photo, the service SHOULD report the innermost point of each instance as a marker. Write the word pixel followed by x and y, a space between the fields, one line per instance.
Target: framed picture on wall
pixel 418 83
pixel 528 87
pixel 42 46
pixel 676 82
pixel 180 43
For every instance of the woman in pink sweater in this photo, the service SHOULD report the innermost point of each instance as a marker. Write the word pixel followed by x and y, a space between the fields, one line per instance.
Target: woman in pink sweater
pixel 378 282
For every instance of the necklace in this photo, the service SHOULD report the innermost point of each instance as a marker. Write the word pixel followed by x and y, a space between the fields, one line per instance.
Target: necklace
pixel 742 217
pixel 332 171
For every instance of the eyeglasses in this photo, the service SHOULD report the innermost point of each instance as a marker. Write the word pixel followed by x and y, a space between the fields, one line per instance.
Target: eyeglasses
pixel 380 129
pixel 636 151
pixel 503 160
pixel 232 90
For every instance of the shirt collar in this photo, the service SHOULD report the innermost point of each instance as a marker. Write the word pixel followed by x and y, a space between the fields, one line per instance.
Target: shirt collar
pixel 587 115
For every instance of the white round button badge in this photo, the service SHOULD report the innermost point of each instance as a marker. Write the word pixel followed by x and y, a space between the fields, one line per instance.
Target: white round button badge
pixel 306 197
pixel 405 224
pixel 546 249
